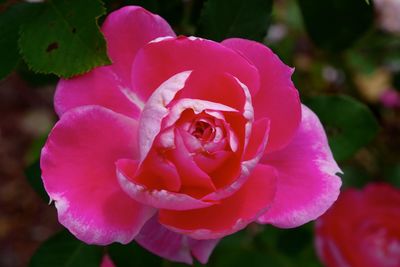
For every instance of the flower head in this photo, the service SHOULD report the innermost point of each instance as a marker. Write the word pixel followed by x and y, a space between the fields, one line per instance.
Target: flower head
pixel 362 229
pixel 182 141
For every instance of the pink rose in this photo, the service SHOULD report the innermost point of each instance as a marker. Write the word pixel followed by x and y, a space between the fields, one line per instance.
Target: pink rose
pixel 182 141
pixel 362 229
pixel 390 98
pixel 388 15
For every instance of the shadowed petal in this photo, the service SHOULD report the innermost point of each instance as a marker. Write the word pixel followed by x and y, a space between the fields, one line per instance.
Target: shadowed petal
pixel 174 246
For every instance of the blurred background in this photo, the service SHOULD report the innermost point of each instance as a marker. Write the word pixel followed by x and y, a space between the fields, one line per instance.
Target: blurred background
pixel 347 60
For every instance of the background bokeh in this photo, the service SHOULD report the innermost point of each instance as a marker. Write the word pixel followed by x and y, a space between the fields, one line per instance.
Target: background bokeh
pixel 346 56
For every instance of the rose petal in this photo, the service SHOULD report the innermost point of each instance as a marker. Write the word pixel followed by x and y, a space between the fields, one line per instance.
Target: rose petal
pixel 258 139
pixel 157 198
pixel 231 215
pixel 78 173
pixel 192 144
pixel 165 176
pixel 202 249
pixel 127 30
pixel 307 184
pixel 277 98
pixel 100 87
pixel 220 88
pixel 195 181
pixel 173 246
pixel 156 109
pixel 369 234
pixel 228 179
pixel 196 105
pixel 158 61
pixel 212 161
pixel 163 242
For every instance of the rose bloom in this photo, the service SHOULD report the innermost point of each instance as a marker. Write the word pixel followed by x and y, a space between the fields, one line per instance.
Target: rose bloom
pixel 362 229
pixel 182 141
pixel 390 98
pixel 388 15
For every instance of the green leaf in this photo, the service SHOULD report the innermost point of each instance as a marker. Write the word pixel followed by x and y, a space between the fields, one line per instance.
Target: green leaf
pixel 65 38
pixel 246 257
pixel 336 24
pixel 8 42
pixel 354 176
pixel 289 247
pixel 221 19
pixel 33 153
pixel 242 252
pixel 171 10
pixel 35 80
pixel 392 175
pixel 10 22
pixel 33 175
pixel 396 80
pixel 350 124
pixel 132 255
pixel 64 250
pixel 360 62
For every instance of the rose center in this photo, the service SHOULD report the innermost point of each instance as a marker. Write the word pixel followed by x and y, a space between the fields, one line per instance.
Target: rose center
pixel 202 130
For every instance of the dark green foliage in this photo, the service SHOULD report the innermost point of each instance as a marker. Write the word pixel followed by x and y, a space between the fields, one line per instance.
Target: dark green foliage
pixel 64 38
pixel 221 19
pixel 336 24
pixel 64 250
pixel 350 125
pixel 133 255
pixel 10 22
pixel 33 175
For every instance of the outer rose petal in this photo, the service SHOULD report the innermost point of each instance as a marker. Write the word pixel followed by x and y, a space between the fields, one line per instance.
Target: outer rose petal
pixel 78 173
pixel 100 87
pixel 277 98
pixel 127 30
pixel 307 184
pixel 232 214
pixel 173 246
pixel 202 249
pixel 158 61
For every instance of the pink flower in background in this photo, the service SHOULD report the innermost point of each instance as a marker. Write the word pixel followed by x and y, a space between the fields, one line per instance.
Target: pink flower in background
pixel 388 15
pixel 390 98
pixel 362 229
pixel 182 141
